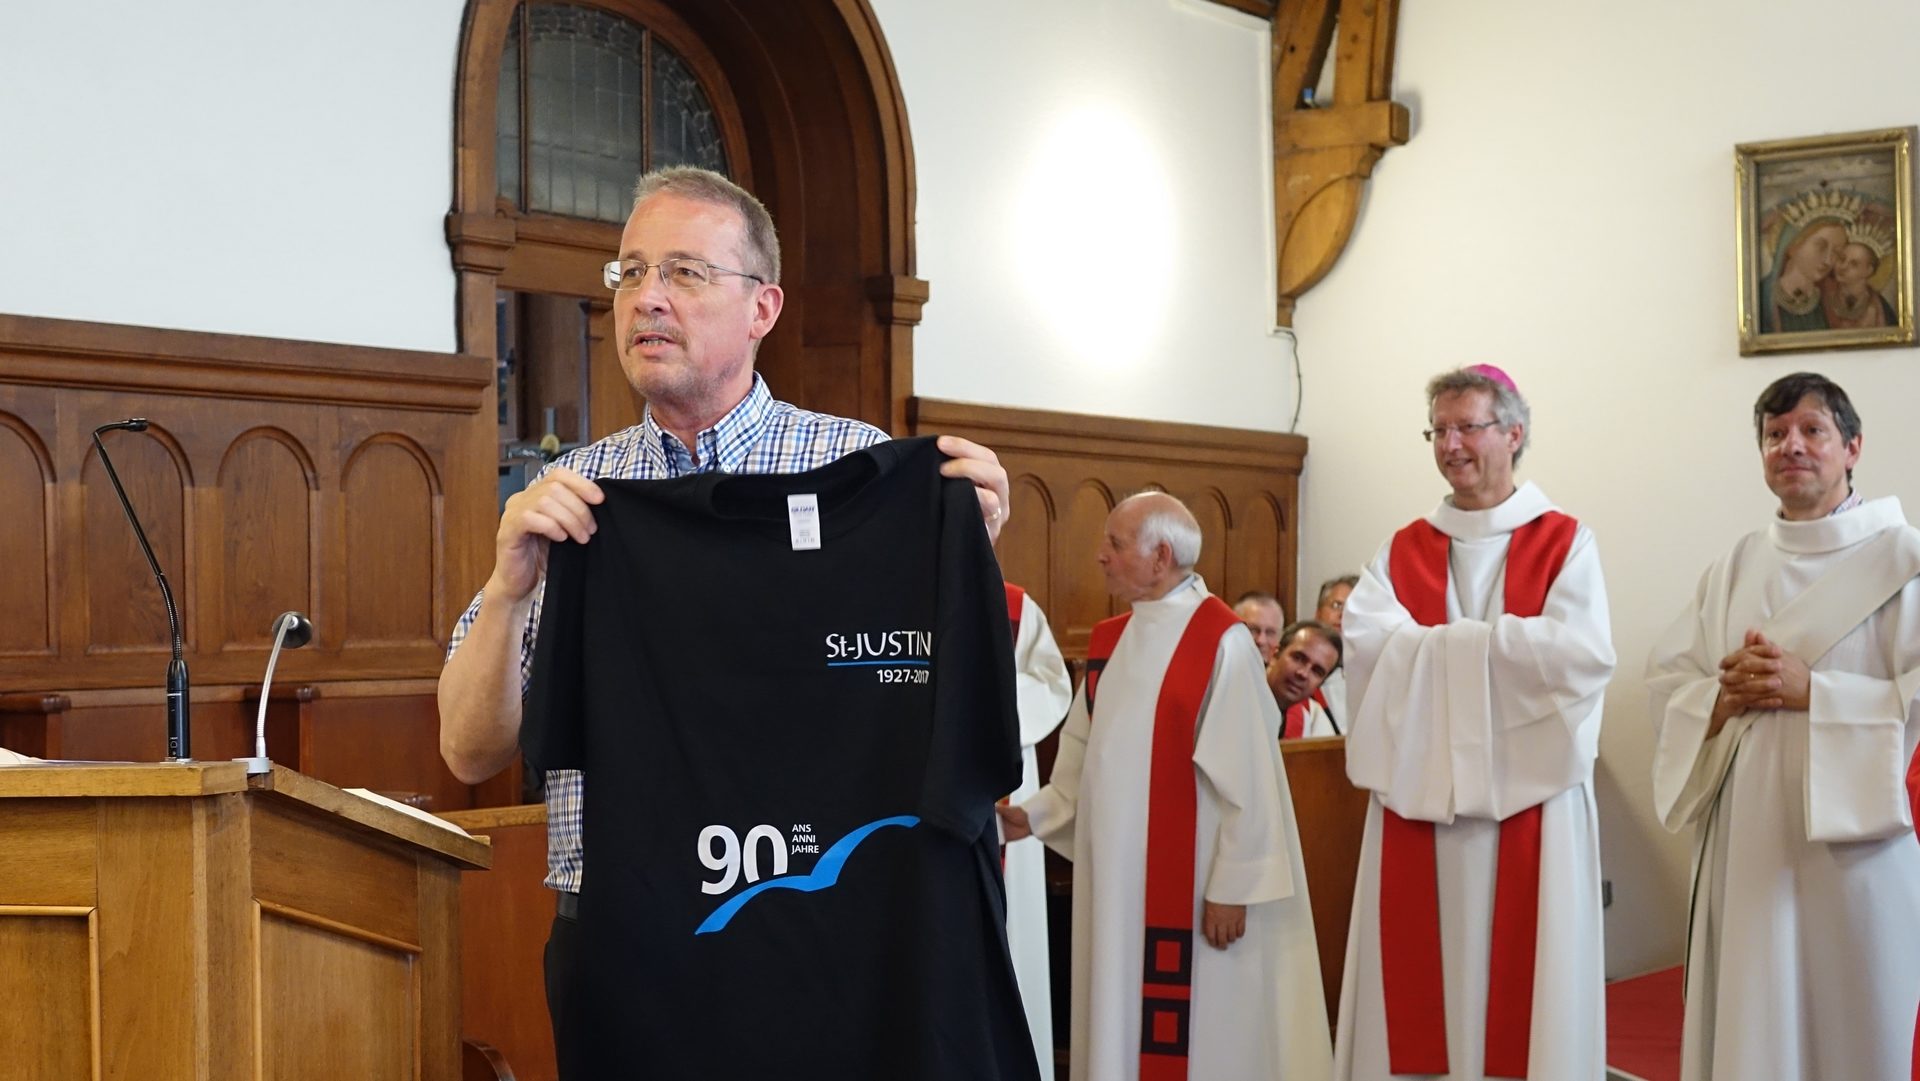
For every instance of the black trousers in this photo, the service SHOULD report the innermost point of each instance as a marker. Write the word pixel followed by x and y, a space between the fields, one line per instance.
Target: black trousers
pixel 560 963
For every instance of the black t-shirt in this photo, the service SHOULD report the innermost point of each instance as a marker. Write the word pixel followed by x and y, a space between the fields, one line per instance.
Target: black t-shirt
pixel 791 759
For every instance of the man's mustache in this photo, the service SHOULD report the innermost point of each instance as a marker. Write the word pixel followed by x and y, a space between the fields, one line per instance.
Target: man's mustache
pixel 654 328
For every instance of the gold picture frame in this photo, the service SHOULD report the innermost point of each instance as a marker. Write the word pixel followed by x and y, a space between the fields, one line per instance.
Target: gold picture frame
pixel 1824 242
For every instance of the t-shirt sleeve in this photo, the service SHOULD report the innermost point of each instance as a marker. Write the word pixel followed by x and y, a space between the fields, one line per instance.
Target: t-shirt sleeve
pixel 973 755
pixel 551 731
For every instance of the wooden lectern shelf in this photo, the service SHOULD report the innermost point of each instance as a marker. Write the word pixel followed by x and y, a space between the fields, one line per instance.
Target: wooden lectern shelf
pixel 182 920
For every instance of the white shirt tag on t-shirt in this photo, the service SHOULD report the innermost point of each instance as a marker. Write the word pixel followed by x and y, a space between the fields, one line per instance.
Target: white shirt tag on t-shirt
pixel 803 521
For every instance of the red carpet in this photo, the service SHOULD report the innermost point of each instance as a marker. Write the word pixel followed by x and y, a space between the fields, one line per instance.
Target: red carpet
pixel 1643 1025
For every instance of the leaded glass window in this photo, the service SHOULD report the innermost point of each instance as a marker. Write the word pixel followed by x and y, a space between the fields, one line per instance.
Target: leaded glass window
pixel 588 102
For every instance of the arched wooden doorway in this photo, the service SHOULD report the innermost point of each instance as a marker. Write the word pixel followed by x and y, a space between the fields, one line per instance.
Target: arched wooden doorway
pixel 817 104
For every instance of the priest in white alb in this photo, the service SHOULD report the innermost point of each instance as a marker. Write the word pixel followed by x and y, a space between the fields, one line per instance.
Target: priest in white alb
pixel 1193 944
pixel 1044 691
pixel 1787 704
pixel 1477 655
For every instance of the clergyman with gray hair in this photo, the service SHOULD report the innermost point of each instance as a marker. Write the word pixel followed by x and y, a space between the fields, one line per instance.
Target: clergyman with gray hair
pixel 1169 798
pixel 1477 654
pixel 1331 609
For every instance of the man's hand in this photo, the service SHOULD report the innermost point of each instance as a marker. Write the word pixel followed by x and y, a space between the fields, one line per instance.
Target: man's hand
pixel 982 467
pixel 1792 679
pixel 1222 925
pixel 1014 823
pixel 1758 676
pixel 557 507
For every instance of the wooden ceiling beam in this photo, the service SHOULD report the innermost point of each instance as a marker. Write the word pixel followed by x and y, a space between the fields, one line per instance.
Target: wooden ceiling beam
pixel 1323 152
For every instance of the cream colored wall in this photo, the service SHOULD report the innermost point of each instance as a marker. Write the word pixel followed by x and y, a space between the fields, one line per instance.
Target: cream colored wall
pixel 1094 208
pixel 1565 210
pixel 277 169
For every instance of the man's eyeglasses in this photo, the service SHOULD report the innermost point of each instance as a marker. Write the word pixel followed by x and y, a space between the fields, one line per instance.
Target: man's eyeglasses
pixel 1441 431
pixel 678 273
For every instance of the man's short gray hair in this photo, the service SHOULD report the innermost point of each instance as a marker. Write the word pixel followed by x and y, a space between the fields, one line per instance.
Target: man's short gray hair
pixel 1171 524
pixel 1351 581
pixel 706 186
pixel 1509 408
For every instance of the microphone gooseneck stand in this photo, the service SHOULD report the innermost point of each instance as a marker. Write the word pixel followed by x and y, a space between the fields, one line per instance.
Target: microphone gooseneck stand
pixel 179 728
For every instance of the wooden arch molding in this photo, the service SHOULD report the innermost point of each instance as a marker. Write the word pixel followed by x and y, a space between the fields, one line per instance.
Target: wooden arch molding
pixel 827 149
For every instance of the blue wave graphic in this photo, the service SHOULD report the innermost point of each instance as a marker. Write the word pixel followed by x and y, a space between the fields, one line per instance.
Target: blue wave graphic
pixel 824 874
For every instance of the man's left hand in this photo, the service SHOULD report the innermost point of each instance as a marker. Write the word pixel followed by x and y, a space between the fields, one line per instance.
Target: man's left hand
pixel 1222 925
pixel 981 466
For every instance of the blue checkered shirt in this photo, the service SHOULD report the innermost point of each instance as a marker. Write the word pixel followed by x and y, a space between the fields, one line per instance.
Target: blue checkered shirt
pixel 760 435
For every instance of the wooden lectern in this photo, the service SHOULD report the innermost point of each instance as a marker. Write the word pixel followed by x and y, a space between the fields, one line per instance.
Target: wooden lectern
pixel 1333 817
pixel 180 920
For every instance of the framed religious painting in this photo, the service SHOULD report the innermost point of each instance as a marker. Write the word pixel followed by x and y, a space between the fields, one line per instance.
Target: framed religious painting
pixel 1825 242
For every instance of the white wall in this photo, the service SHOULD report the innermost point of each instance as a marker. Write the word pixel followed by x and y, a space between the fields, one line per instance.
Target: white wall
pixel 242 166
pixel 1565 209
pixel 1094 206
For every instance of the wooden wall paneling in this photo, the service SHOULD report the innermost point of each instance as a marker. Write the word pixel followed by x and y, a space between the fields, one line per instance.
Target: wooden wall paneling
pixel 1253 550
pixel 369 734
pixel 1028 538
pixel 266 499
pixel 26 529
pixel 391 511
pixel 1069 470
pixel 242 485
pixel 123 725
pixel 505 914
pixel 1209 508
pixel 1079 589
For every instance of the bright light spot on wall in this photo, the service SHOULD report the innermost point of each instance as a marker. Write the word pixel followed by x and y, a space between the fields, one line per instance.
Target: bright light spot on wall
pixel 1094 238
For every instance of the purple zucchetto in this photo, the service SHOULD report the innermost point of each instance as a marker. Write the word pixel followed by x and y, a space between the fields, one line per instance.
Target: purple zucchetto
pixel 1495 374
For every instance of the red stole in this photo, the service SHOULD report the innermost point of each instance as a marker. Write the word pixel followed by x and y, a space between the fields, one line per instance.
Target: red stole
pixel 1166 985
pixel 1412 982
pixel 1913 798
pixel 1016 604
pixel 1294 724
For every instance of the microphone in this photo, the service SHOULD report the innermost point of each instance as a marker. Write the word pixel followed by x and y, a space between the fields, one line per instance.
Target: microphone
pixel 178 723
pixel 292 630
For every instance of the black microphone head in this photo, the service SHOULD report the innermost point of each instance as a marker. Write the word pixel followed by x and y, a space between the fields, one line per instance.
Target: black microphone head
pixel 134 424
pixel 294 628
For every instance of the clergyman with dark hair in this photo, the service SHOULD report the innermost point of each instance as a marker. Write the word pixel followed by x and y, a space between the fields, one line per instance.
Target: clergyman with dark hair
pixel 1309 652
pixel 1786 703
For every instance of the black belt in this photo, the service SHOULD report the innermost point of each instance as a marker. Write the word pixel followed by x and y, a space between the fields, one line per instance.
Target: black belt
pixel 569 905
